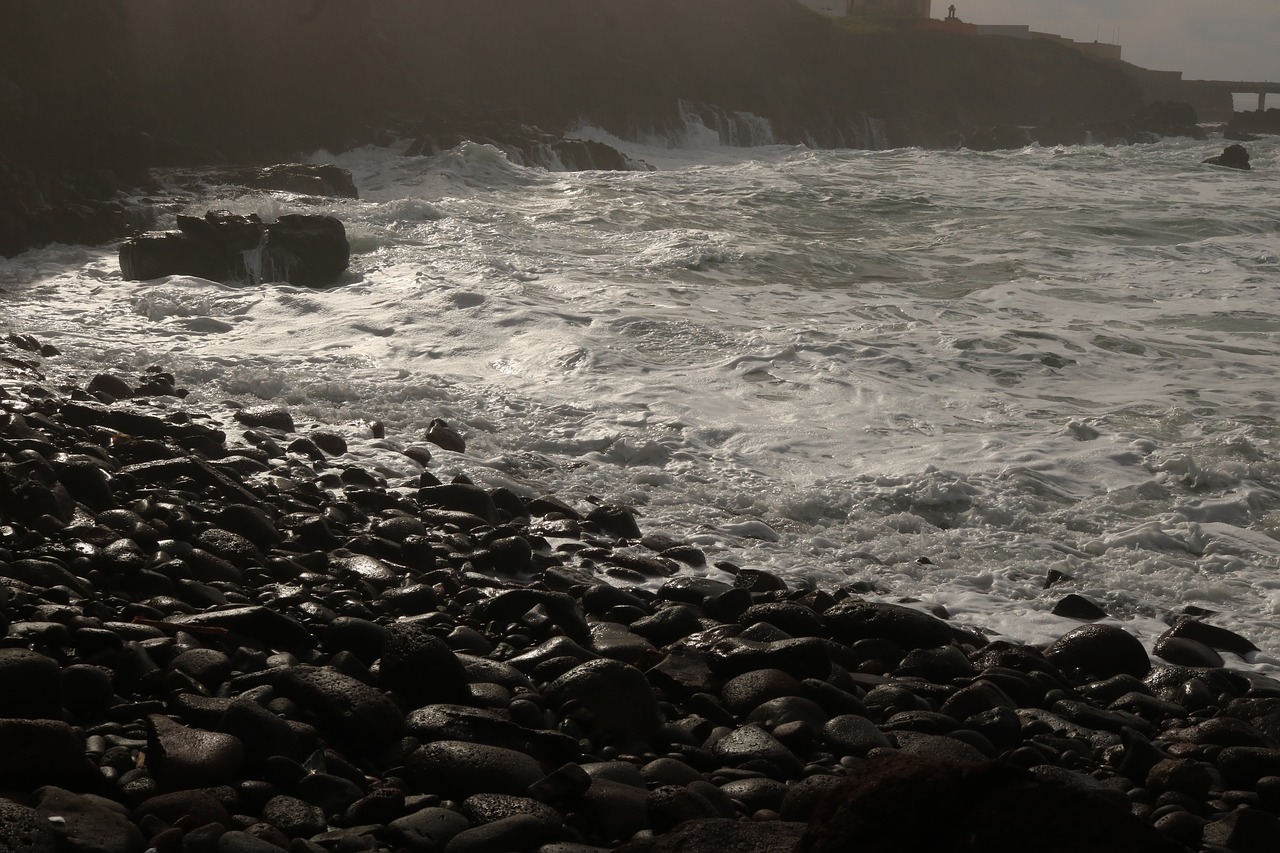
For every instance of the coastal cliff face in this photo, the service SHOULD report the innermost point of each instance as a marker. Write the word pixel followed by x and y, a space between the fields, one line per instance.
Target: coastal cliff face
pixel 91 95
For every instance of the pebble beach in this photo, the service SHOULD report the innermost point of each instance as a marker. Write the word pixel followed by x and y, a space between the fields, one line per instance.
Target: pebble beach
pixel 221 637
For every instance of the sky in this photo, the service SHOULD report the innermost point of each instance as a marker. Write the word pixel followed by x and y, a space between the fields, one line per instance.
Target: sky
pixel 1204 39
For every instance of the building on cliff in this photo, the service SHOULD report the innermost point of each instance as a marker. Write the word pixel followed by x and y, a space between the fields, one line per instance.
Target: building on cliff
pixel 830 8
pixel 843 8
pixel 905 8
pixel 1096 49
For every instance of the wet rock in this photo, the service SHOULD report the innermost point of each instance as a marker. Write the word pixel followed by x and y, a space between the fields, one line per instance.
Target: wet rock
pixel 1244 830
pixel 849 734
pixel 743 693
pixel 618 696
pixel 938 665
pixel 457 770
pixel 806 797
pixel 88 823
pixel 512 605
pixel 474 725
pixel 427 830
pixel 611 640
pixel 939 747
pixel 445 436
pixel 1186 652
pixel 516 833
pixel 757 794
pixel 1183 775
pixel 195 808
pixel 1233 157
pixel 181 757
pixel 365 639
pixel 240 841
pixel 270 417
pixel 294 817
pixel 421 667
pixel 89 690
pixel 268 626
pixel 668 625
pixel 752 746
pixel 43 752
pixel 795 619
pixel 210 667
pixel 510 555
pixel 23 830
pixel 306 250
pixel 487 808
pixel 671 805
pixel 1095 652
pixel 853 620
pixel 350 709
pixel 808 657
pixel 902 802
pixel 1189 628
pixel 717 835
pixel 1243 766
pixel 618 521
pixel 613 810
pixel 30 685
pixel 1074 606
pixel 262 733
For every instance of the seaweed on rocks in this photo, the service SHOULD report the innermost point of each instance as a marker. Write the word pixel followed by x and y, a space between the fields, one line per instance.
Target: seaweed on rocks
pixel 216 645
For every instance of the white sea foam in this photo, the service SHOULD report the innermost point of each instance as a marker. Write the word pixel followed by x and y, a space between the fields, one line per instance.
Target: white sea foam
pixel 947 373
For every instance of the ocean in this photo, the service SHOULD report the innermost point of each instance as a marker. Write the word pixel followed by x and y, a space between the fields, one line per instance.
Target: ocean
pixel 939 375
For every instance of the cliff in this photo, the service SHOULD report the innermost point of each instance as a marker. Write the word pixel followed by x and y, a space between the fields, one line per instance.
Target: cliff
pixel 91 94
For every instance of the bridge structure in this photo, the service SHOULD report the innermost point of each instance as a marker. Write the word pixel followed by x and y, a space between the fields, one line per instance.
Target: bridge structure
pixel 1237 87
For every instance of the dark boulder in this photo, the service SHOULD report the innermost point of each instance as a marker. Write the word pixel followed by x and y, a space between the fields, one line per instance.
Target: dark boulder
pixel 301 249
pixel 618 696
pixel 1095 652
pixel 1233 157
pixel 853 620
pixel 306 250
pixel 904 803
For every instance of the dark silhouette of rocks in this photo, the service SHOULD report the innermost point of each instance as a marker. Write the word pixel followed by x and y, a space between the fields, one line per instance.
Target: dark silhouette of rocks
pixel 1246 124
pixel 1233 157
pixel 311 251
pixel 93 96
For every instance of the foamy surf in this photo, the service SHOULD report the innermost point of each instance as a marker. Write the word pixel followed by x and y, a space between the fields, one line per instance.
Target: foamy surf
pixel 942 373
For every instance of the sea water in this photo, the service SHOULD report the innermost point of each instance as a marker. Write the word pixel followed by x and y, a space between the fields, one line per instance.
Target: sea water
pixel 941 374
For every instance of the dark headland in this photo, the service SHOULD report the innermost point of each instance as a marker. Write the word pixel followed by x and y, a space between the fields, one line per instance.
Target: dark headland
pixel 218 634
pixel 92 95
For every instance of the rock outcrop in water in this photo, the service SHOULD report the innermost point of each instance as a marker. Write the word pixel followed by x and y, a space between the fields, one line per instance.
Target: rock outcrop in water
pixel 220 634
pixel 306 250
pixel 1233 157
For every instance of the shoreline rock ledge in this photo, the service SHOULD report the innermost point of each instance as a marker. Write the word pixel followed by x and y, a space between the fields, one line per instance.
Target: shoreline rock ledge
pixel 301 249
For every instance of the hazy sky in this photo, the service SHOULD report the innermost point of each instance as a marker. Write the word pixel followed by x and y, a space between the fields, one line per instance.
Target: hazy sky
pixel 1205 39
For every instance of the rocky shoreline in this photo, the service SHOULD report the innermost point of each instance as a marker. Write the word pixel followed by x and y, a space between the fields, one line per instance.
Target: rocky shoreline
pixel 221 634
